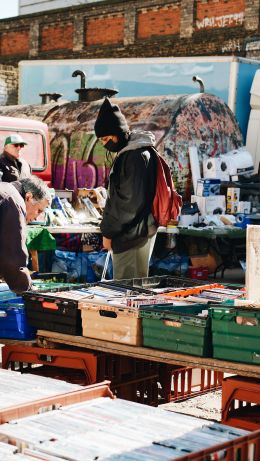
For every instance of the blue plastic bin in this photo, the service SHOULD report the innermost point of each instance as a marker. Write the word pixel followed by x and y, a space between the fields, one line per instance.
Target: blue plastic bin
pixel 13 322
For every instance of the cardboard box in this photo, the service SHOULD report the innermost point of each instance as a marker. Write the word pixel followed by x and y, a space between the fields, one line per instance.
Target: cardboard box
pixel 244 207
pixel 233 194
pixel 216 168
pixel 210 260
pixel 207 187
pixel 232 207
pixel 210 205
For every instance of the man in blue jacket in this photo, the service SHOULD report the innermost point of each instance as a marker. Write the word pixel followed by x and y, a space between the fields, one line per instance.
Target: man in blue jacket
pixel 128 226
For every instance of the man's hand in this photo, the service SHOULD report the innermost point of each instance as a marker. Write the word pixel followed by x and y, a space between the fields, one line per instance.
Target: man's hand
pixel 107 244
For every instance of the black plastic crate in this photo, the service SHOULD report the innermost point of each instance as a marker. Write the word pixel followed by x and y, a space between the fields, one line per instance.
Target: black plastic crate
pixel 159 281
pixel 49 311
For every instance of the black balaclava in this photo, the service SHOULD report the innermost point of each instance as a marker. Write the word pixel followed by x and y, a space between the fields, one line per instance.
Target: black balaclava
pixel 110 121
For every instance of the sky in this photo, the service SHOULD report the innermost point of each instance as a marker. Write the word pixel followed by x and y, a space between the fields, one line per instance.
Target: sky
pixel 8 8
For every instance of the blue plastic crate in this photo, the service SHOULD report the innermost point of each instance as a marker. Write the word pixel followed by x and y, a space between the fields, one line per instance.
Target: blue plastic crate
pixel 9 296
pixel 11 300
pixel 4 287
pixel 13 322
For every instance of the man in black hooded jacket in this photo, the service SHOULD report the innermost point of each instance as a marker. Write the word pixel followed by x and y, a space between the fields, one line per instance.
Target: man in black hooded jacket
pixel 128 226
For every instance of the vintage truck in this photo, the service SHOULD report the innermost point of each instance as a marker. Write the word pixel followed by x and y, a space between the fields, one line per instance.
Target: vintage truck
pixel 37 152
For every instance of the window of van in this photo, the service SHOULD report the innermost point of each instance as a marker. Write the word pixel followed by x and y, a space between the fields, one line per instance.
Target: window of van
pixel 34 152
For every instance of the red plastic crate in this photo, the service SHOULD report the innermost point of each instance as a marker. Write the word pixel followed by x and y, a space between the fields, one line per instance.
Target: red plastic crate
pixel 241 402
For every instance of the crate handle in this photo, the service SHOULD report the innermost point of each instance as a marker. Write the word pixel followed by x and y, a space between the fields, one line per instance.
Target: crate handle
pixel 111 314
pixel 256 357
pixel 247 321
pixel 46 358
pixel 172 323
pixel 47 305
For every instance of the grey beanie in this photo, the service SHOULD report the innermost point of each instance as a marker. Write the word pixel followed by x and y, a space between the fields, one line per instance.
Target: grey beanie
pixel 110 120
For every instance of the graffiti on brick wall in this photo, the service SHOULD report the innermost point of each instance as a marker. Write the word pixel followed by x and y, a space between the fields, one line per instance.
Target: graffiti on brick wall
pixel 231 45
pixel 228 20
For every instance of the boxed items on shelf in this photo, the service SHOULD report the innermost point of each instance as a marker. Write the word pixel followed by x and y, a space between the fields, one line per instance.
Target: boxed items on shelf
pixel 213 204
pixel 216 167
pixel 208 186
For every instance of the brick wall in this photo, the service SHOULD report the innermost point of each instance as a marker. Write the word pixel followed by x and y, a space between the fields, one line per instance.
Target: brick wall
pixel 220 14
pixel 14 42
pixel 105 30
pixel 136 28
pixel 158 22
pixel 8 85
pixel 56 37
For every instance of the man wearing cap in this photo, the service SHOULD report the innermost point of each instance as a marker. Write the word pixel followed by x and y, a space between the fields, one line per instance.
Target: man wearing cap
pixel 13 167
pixel 128 226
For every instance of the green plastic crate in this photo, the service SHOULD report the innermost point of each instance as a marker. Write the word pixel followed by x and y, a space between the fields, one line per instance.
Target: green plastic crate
pixel 236 334
pixel 184 333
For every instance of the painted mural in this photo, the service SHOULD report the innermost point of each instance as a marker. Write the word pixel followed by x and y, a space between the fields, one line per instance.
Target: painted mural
pixel 178 122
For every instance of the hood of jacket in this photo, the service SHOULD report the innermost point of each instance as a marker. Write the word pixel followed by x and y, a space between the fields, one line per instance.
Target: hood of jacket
pixel 139 139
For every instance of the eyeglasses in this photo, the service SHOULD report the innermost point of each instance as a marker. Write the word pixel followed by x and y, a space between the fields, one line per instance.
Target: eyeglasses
pixel 18 145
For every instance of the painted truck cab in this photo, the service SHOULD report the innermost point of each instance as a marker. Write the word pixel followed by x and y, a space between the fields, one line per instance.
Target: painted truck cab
pixel 37 152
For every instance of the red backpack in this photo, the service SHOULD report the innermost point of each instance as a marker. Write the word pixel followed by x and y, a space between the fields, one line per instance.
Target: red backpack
pixel 167 202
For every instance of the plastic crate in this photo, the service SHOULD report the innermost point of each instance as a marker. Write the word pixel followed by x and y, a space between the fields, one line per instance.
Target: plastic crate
pixel 49 309
pixel 179 383
pixel 161 281
pixel 236 333
pixel 49 312
pixel 9 296
pixel 50 276
pixel 241 402
pixel 13 322
pixel 170 330
pixel 40 285
pixel 110 323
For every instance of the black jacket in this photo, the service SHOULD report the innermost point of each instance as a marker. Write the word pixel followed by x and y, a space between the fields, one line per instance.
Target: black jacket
pixel 13 169
pixel 127 216
pixel 13 251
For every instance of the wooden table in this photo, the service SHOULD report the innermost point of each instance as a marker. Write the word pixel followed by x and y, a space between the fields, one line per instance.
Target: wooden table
pixel 145 353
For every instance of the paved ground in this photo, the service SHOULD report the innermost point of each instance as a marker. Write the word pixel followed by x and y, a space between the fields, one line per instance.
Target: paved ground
pixel 206 406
